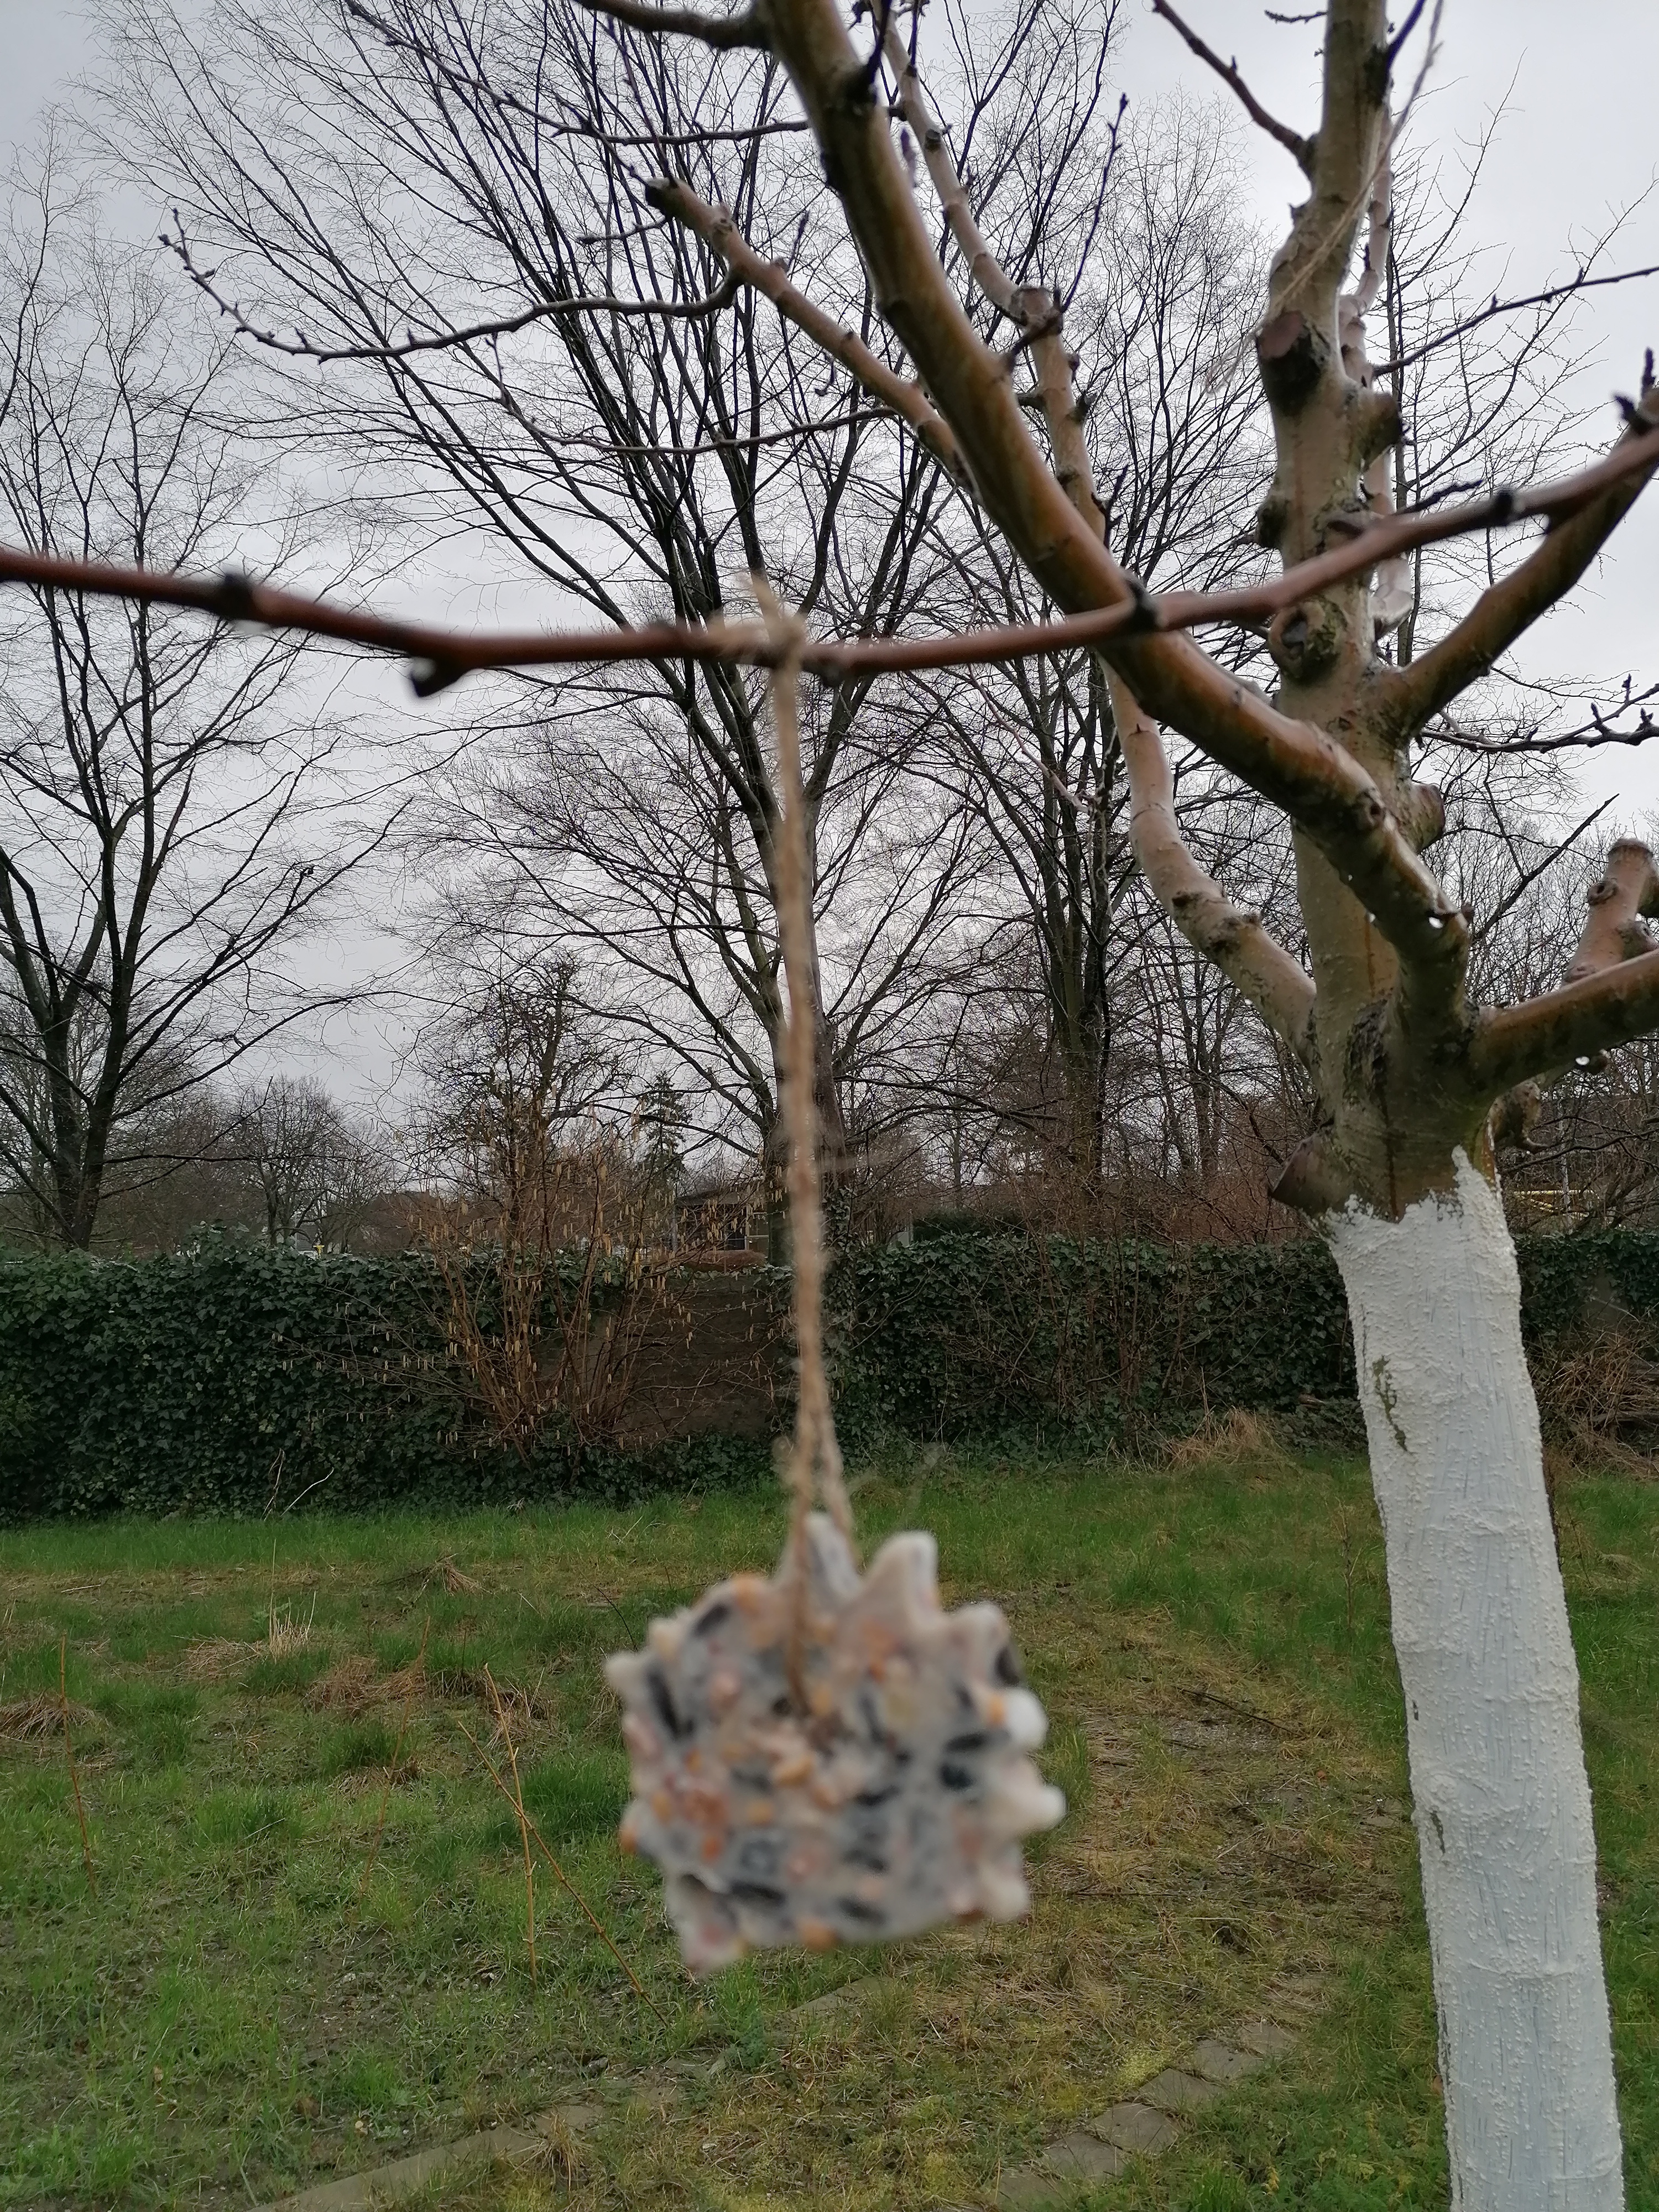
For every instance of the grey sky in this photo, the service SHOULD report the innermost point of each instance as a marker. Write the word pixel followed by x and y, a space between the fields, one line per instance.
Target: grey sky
pixel 1579 141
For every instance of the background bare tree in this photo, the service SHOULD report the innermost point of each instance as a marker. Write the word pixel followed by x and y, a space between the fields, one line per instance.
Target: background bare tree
pixel 317 1170
pixel 156 779
pixel 543 1210
pixel 621 424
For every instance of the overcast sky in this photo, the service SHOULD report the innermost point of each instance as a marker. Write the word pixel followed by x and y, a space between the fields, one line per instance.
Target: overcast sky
pixel 1579 141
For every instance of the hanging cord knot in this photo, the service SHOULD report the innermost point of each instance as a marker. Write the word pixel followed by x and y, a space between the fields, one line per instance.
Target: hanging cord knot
pixel 813 1466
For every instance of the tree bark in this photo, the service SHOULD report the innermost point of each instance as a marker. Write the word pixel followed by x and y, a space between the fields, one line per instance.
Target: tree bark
pixel 1502 1799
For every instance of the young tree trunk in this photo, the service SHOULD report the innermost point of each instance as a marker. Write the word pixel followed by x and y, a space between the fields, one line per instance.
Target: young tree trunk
pixel 1502 1799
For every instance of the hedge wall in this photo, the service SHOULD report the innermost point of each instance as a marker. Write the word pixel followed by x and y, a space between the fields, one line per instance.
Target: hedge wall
pixel 241 1380
pixel 237 1379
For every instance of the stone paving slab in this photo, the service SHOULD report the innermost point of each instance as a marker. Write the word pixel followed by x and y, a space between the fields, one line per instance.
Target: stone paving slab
pixel 1028 2190
pixel 1136 2127
pixel 1219 2062
pixel 403 2177
pixel 1148 2123
pixel 380 2185
pixel 1081 2156
pixel 1144 2126
pixel 1175 2091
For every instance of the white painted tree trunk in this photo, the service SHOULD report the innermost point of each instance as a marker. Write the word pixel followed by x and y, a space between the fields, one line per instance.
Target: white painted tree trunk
pixel 1501 1797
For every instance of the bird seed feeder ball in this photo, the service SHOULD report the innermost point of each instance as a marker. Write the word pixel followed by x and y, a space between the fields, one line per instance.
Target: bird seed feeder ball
pixel 822 1759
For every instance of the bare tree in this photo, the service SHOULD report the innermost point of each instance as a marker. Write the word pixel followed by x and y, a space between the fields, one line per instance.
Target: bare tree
pixel 1408 1071
pixel 626 425
pixel 155 777
pixel 318 1172
pixel 543 1223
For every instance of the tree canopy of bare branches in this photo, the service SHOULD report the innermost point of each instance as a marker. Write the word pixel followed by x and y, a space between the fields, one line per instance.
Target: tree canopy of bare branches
pixel 155 773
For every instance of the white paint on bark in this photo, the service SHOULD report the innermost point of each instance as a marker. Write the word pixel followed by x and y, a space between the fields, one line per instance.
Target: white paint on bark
pixel 1501 1797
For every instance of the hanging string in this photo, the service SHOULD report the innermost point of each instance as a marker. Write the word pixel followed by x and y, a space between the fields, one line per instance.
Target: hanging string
pixel 812 1466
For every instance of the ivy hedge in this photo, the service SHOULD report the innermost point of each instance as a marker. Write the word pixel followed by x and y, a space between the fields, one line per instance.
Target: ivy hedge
pixel 236 1379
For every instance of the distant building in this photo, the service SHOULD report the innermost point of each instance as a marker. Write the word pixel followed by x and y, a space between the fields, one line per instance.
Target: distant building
pixel 726 1217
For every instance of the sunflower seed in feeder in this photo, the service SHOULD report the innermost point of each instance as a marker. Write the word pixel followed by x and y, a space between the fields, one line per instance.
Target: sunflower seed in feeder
pixel 847 1772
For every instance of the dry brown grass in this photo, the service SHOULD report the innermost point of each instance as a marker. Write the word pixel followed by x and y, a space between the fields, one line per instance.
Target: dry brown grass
pixel 32 1720
pixel 348 1687
pixel 453 1579
pixel 216 1659
pixel 1237 1437
pixel 285 1633
pixel 1598 1401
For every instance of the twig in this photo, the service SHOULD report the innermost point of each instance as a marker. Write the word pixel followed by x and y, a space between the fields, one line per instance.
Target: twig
pixel 1202 1697
pixel 69 1754
pixel 720 32
pixel 1544 299
pixel 301 348
pixel 444 656
pixel 1406 30
pixel 391 1771
pixel 1292 141
pixel 524 1830
pixel 559 1875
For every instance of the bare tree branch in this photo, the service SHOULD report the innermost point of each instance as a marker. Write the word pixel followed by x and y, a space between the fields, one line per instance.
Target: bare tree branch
pixel 1300 149
pixel 446 655
pixel 1615 928
pixel 1548 297
pixel 723 32
pixel 301 348
pixel 717 229
pixel 1235 939
pixel 1572 1024
pixel 1581 526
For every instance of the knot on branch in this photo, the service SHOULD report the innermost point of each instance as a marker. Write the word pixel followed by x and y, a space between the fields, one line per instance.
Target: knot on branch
pixel 1271 518
pixel 855 93
pixel 1304 641
pixel 1515 1116
pixel 1292 356
pixel 1311 1182
pixel 236 601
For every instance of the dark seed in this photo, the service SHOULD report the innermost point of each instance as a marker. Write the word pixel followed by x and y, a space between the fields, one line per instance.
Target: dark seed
pixel 756 1892
pixel 975 1740
pixel 664 1703
pixel 867 1915
pixel 759 1855
pixel 956 1777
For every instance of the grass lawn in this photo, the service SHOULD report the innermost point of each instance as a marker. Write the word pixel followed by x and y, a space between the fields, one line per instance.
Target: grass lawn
pixel 245 2003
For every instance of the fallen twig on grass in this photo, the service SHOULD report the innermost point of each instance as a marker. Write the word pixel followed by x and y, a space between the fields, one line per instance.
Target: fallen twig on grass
pixel 559 1875
pixel 391 1771
pixel 505 1734
pixel 69 1754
